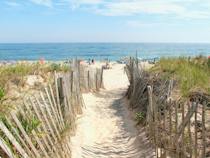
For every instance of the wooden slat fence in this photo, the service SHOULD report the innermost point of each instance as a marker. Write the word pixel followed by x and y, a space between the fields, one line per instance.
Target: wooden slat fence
pixel 91 79
pixel 43 125
pixel 177 129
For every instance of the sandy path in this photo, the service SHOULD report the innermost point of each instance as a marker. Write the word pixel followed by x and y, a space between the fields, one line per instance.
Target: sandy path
pixel 106 130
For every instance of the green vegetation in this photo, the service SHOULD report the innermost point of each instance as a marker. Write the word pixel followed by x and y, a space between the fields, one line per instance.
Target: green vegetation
pixel 1 93
pixel 29 123
pixel 140 116
pixel 3 136
pixel 15 73
pixel 191 73
pixel 208 63
pixel 58 67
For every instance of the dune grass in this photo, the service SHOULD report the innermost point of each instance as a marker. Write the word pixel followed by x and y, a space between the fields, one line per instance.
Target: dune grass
pixel 15 73
pixel 191 73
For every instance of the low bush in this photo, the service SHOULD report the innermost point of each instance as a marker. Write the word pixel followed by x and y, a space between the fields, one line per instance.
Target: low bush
pixel 140 117
pixel 208 63
pixel 59 67
pixel 1 93
pixel 29 123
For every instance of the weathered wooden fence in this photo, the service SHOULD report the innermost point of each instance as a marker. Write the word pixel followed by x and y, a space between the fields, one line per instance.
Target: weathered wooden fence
pixel 176 128
pixel 43 125
pixel 91 79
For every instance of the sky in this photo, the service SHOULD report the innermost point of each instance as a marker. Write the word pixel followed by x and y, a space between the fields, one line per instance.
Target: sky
pixel 104 21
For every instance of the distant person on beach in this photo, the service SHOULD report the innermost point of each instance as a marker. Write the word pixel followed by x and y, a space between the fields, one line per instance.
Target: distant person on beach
pixel 41 61
pixel 89 61
pixel 93 62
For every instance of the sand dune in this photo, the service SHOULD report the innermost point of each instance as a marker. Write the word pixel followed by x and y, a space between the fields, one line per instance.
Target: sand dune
pixel 106 128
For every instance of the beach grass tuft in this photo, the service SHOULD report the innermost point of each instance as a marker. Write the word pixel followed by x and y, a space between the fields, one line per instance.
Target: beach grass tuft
pixel 1 93
pixel 15 73
pixel 191 73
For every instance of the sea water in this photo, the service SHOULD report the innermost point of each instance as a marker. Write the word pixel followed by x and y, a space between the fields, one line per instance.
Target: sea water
pixel 99 51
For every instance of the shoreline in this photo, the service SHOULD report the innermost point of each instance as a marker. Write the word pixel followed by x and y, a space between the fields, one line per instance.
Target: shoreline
pixel 97 63
pixel 122 60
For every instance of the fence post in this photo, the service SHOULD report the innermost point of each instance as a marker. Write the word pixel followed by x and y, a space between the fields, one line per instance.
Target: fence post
pixel 182 141
pixel 176 125
pixel 58 99
pixel 101 78
pixel 164 126
pixel 150 117
pixel 189 131
pixel 170 126
pixel 96 79
pixel 204 129
pixel 196 135
pixel 88 76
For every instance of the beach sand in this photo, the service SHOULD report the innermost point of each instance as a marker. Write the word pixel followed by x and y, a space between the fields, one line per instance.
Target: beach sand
pixel 107 129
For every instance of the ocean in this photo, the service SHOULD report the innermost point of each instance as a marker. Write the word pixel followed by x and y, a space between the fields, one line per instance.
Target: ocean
pixel 99 51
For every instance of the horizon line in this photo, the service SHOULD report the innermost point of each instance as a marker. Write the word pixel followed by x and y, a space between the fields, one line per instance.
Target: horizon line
pixel 104 42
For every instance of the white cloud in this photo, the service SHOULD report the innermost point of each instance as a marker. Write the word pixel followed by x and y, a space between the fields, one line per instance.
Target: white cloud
pixel 137 24
pixel 154 7
pixel 143 24
pixel 77 3
pixel 136 7
pixel 191 9
pixel 47 3
pixel 12 4
pixel 187 9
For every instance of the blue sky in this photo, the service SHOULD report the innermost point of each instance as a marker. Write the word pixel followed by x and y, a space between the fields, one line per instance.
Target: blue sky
pixel 104 21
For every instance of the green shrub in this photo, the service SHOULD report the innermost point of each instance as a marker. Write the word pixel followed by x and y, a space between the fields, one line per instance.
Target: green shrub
pixel 208 62
pixel 59 67
pixel 140 116
pixel 2 93
pixel 54 67
pixel 29 124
